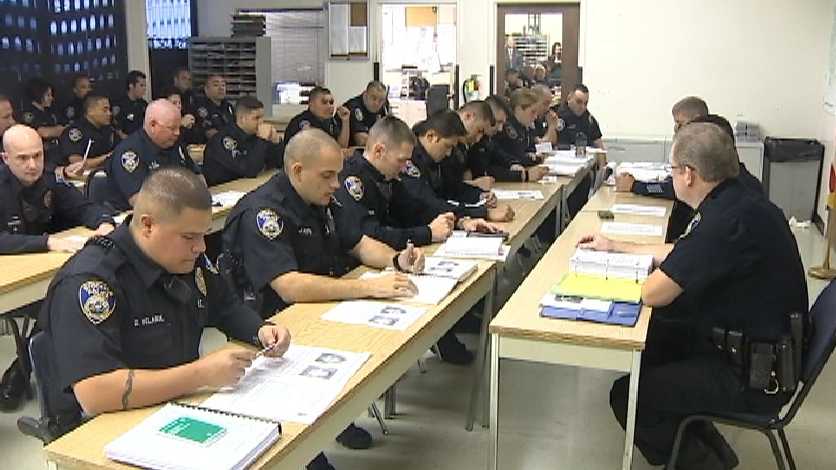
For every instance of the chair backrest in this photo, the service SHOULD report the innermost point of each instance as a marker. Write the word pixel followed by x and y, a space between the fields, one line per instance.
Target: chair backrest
pixel 823 339
pixel 438 99
pixel 97 189
pixel 57 408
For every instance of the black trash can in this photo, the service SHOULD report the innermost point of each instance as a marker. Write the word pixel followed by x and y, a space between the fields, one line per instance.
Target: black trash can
pixel 791 175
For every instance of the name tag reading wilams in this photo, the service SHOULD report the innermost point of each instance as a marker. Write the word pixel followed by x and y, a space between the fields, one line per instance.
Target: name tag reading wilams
pixel 149 320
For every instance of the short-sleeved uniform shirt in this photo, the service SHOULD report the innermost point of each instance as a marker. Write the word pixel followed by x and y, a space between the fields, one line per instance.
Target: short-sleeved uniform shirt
pixel 272 231
pixel 134 159
pixel 738 265
pixel 232 154
pixel 128 114
pixel 573 129
pixel 423 181
pixel 379 206
pixel 80 133
pixel 73 110
pixel 306 120
pixel 29 214
pixel 361 119
pixel 112 307
pixel 210 116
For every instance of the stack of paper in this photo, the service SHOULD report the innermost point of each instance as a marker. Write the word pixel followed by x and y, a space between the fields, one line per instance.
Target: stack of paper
pixel 596 287
pixel 472 247
pixel 182 437
pixel 566 157
pixel 623 228
pixel 648 172
pixel 298 386
pixel 599 311
pixel 611 265
pixel 431 289
pixel 564 169
pixel 227 198
pixel 508 195
pixel 452 268
pixel 387 316
pixel 639 209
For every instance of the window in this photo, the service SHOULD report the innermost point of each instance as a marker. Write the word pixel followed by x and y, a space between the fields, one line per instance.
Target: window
pixel 169 23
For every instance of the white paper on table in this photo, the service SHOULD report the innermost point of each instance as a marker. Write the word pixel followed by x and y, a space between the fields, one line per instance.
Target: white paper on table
pixel 388 316
pixel 227 198
pixel 544 147
pixel 594 150
pixel 564 158
pixel 119 218
pixel 473 246
pixel 548 179
pixel 575 303
pixel 297 387
pixel 638 209
pixel 457 269
pixel 509 195
pixel 564 169
pixel 611 265
pixel 623 228
pixel 501 256
pixel 431 289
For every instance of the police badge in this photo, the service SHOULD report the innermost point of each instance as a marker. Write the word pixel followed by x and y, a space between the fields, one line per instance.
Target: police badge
pixel 303 124
pixel 75 134
pixel 28 117
pixel 199 281
pixel 561 124
pixel 70 112
pixel 269 223
pixel 412 170
pixel 230 143
pixel 358 113
pixel 512 133
pixel 202 112
pixel 97 301
pixel 354 187
pixel 130 161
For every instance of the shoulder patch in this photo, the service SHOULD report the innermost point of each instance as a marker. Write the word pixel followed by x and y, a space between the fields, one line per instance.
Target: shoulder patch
pixel 412 170
pixel 115 109
pixel 75 134
pixel 207 263
pixel 230 143
pixel 130 161
pixel 354 187
pixel 48 199
pixel 561 124
pixel 511 131
pixel 202 112
pixel 97 301
pixel 28 117
pixel 358 114
pixel 269 223
pixel 692 225
pixel 199 280
pixel 70 112
pixel 304 124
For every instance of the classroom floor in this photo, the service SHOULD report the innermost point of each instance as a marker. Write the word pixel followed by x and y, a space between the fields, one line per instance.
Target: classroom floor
pixel 551 417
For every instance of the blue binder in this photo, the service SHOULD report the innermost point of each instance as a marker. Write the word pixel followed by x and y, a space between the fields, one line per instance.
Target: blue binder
pixel 620 313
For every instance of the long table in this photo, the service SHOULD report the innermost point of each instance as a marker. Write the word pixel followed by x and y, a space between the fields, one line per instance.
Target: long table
pixel 25 278
pixel 518 331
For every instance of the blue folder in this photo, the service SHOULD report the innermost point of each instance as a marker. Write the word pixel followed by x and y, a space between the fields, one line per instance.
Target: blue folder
pixel 620 313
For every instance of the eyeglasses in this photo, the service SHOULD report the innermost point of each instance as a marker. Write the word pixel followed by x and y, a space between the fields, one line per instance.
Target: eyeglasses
pixel 681 167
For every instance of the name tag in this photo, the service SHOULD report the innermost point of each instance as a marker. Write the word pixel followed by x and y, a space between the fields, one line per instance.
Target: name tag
pixel 149 320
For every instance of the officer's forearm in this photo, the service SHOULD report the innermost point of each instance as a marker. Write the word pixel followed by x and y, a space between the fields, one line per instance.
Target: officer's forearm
pixel 296 287
pixel 360 138
pixel 345 135
pixel 373 253
pixel 659 251
pixel 113 391
pixel 14 243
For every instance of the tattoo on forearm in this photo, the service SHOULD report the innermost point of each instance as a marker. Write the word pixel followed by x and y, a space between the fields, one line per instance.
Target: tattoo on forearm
pixel 129 385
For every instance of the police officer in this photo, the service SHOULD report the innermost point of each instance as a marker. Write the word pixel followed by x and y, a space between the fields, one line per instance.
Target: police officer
pixel 517 137
pixel 736 276
pixel 545 126
pixel 81 87
pixel 459 185
pixel 182 82
pixel 7 117
pixel 129 110
pixel 187 121
pixel 321 115
pixel 366 109
pixel 284 238
pixel 242 149
pixel 125 315
pixel 486 158
pixel 155 145
pixel 212 111
pixel 575 125
pixel 37 113
pixel 90 136
pixel 33 206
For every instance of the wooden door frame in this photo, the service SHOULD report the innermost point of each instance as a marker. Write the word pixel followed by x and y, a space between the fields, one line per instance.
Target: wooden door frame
pixel 571 13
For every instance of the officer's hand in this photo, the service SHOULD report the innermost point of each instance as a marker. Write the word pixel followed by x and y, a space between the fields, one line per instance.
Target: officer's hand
pixel 595 242
pixel 104 229
pixel 187 121
pixel 489 198
pixel 551 118
pixel 485 183
pixel 64 245
pixel 276 337
pixel 411 259
pixel 225 367
pixel 265 131
pixel 535 158
pixel 75 170
pixel 502 213
pixel 442 226
pixel 479 225
pixel 624 182
pixel 516 167
pixel 390 285
pixel 536 173
pixel 343 113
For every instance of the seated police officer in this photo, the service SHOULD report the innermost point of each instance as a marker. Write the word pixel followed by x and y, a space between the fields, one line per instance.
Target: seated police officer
pixel 181 80
pixel 545 126
pixel 284 238
pixel 241 149
pixel 129 109
pixel 187 121
pixel 320 115
pixel 423 177
pixel 90 138
pixel 212 111
pixel 34 205
pixel 736 275
pixel 575 124
pixel 518 137
pixel 155 145
pixel 125 315
pixel 486 158
pixel 366 109
pixel 81 87
pixel 37 112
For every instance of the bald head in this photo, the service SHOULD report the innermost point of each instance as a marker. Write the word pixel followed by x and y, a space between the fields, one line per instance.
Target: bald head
pixel 24 153
pixel 162 123
pixel 307 147
pixel 313 161
pixel 167 192
pixel 21 138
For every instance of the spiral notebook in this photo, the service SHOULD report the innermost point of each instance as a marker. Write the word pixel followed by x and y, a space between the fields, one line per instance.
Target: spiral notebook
pixel 185 437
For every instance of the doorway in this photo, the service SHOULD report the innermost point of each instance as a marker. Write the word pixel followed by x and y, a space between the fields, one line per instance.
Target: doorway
pixel 541 41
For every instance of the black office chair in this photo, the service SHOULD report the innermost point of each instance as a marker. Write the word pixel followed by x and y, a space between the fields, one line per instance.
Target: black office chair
pixel 60 413
pixel 96 188
pixel 438 99
pixel 821 345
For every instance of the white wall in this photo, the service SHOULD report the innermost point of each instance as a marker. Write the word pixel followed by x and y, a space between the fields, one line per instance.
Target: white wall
pixel 136 33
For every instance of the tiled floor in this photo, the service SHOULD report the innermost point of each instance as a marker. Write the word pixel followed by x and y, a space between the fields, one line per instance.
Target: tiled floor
pixel 552 417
